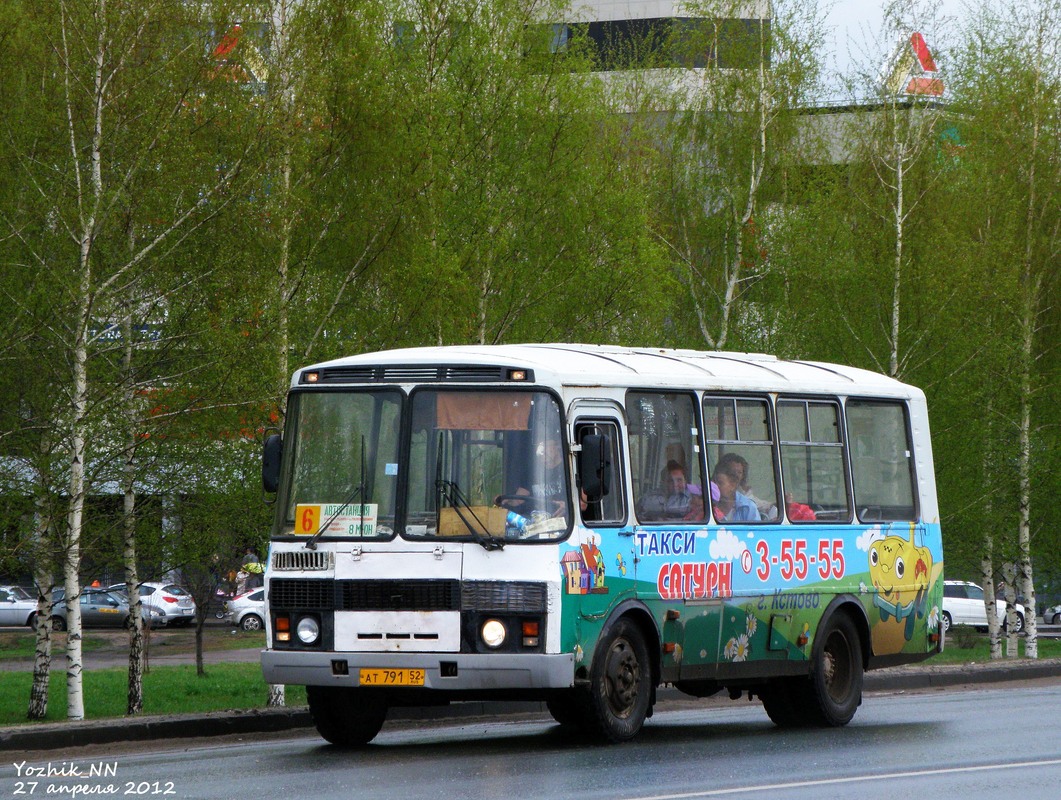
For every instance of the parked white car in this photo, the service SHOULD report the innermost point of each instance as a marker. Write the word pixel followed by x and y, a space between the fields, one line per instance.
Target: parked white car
pixel 247 610
pixel 963 604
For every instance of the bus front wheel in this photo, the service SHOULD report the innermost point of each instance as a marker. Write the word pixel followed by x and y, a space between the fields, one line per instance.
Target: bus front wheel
pixel 346 717
pixel 834 691
pixel 620 692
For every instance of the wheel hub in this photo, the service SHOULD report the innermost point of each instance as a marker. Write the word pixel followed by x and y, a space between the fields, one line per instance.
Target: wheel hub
pixel 624 676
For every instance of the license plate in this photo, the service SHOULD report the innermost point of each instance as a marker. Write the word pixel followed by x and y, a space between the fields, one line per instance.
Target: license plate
pixel 392 677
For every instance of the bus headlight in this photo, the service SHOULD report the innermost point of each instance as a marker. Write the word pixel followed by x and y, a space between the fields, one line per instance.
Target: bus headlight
pixel 308 630
pixel 493 633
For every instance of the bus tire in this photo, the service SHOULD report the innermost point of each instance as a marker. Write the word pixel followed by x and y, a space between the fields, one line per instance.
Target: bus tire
pixel 620 692
pixel 344 716
pixel 834 687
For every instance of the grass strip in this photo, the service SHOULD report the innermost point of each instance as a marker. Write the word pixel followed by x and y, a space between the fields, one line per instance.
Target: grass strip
pixel 965 645
pixel 167 690
pixel 22 644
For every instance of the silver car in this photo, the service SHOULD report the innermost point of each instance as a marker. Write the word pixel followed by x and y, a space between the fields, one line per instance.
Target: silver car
pixel 17 606
pixel 99 609
pixel 167 603
pixel 1052 615
pixel 247 611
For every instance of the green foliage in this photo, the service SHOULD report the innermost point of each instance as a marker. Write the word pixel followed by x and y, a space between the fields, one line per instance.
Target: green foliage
pixel 501 200
pixel 731 140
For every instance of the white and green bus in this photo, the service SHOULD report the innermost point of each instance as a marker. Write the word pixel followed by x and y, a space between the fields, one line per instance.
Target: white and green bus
pixel 581 525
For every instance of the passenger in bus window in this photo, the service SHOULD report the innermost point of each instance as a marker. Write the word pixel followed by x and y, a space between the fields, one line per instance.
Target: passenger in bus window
pixel 767 509
pixel 674 501
pixel 798 512
pixel 732 504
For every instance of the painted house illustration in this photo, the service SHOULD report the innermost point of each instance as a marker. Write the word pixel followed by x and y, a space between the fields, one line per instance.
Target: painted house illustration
pixel 584 570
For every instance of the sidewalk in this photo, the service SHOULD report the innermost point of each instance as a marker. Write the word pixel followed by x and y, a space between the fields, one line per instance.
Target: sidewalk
pixel 57 736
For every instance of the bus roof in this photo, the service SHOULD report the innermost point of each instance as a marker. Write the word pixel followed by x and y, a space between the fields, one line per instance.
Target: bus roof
pixel 562 364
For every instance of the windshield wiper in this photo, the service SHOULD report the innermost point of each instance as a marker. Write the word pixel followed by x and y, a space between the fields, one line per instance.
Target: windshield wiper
pixel 312 543
pixel 452 493
pixel 359 491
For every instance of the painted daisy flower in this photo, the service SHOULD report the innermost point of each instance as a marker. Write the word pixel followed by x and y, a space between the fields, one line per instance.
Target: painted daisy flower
pixel 933 619
pixel 731 649
pixel 740 648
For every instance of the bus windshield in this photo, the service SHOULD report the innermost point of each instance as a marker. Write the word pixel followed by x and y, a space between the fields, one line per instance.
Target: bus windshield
pixel 343 472
pixel 486 464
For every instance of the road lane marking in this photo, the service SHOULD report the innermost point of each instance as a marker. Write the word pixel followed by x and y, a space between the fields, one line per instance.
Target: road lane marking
pixel 766 787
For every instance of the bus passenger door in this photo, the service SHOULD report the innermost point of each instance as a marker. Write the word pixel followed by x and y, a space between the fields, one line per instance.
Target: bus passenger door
pixel 600 568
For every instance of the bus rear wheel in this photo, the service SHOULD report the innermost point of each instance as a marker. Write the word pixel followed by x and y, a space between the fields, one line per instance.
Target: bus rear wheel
pixel 344 716
pixel 620 693
pixel 834 688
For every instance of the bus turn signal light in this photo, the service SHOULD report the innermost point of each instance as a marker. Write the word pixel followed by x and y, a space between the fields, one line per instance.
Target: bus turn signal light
pixel 530 633
pixel 282 624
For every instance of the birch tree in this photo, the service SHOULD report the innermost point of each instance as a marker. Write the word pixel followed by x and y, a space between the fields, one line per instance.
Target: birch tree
pixel 733 138
pixel 284 66
pixel 107 74
pixel 1009 101
pixel 894 138
pixel 31 469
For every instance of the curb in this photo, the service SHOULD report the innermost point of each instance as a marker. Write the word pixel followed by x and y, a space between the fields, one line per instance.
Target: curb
pixel 62 735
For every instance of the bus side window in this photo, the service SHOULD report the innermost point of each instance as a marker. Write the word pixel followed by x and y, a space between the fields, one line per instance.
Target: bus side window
pixel 812 458
pixel 882 465
pixel 605 504
pixel 664 432
pixel 739 433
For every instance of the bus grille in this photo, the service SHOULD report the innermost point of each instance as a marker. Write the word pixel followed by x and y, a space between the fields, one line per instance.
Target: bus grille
pixel 503 596
pixel 398 595
pixel 409 595
pixel 304 560
pixel 290 593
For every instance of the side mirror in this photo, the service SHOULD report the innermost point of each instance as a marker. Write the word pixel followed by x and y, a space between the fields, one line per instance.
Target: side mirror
pixel 594 466
pixel 271 452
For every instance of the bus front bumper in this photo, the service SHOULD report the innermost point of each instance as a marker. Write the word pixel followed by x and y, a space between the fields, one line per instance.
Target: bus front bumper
pixel 458 672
